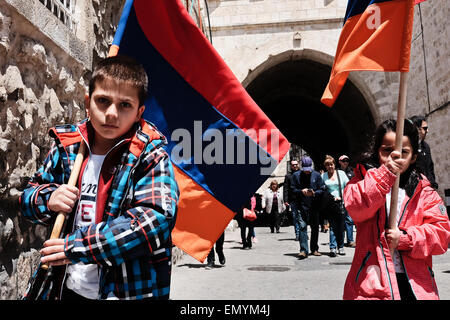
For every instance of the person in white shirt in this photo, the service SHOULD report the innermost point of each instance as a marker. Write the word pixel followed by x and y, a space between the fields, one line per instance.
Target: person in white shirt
pixel 273 204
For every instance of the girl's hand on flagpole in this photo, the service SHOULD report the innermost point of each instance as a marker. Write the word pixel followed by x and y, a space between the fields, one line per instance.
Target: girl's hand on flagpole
pixel 395 163
pixel 393 238
pixel 53 253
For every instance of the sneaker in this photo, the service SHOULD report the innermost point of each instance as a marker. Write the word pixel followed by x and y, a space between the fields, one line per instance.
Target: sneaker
pixel 209 265
pixel 316 253
pixel 302 255
pixel 351 244
pixel 341 252
pixel 333 253
pixel 254 240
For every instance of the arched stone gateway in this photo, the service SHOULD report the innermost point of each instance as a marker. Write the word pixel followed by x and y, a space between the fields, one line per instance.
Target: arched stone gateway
pixel 288 88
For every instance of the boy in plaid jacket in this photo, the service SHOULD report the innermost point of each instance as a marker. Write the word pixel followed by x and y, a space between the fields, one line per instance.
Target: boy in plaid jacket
pixel 117 242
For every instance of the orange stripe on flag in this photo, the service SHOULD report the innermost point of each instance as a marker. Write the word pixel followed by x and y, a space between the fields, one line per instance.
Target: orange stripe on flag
pixel 201 218
pixel 379 39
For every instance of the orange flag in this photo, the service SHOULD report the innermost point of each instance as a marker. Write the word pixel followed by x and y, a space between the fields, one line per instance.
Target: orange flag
pixel 376 36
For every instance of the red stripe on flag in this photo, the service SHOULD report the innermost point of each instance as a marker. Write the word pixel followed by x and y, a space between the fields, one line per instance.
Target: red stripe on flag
pixel 170 29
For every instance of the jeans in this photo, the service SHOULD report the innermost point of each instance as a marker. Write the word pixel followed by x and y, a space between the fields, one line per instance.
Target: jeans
pixel 295 218
pixel 246 237
pixel 274 221
pixel 303 233
pixel 219 248
pixel 336 221
pixel 304 217
pixel 336 233
pixel 348 227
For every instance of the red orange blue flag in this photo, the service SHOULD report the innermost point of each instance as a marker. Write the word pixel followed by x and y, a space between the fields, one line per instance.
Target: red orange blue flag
pixel 221 143
pixel 376 36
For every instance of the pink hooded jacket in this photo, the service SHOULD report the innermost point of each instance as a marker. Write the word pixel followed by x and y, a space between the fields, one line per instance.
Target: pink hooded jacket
pixel 426 232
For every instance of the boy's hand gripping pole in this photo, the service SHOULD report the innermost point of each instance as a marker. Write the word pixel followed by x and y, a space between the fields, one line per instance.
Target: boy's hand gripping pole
pixel 61 217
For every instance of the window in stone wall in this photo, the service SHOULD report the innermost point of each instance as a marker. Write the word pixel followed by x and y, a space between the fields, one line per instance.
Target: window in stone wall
pixel 63 10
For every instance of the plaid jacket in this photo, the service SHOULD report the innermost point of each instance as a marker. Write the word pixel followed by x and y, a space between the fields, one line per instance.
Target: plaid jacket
pixel 136 209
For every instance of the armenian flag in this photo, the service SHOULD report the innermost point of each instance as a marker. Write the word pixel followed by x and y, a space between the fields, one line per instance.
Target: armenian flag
pixel 219 140
pixel 376 36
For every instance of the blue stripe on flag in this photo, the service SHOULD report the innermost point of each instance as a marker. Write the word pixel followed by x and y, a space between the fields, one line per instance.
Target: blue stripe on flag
pixel 355 7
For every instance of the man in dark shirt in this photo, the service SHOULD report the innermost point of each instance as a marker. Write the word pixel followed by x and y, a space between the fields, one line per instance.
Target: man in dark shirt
pixel 424 161
pixel 307 184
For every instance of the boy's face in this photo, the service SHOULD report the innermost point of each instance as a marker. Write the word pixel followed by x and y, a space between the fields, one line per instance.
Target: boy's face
pixel 113 108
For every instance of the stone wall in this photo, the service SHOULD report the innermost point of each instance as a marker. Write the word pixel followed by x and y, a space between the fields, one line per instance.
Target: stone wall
pixel 429 81
pixel 40 86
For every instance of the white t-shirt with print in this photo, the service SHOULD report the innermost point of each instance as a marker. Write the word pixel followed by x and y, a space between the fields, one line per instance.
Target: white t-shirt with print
pixel 84 278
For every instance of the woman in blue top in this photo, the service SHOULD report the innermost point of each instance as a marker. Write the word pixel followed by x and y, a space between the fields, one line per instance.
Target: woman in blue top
pixel 335 181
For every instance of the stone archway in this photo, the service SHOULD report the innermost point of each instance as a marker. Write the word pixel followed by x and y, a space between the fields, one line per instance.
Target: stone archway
pixel 288 88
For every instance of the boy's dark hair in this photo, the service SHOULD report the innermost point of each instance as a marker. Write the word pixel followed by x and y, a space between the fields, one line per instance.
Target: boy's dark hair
pixel 121 68
pixel 418 119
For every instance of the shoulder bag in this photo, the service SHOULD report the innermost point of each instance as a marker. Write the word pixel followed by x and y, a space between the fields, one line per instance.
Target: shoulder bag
pixel 249 215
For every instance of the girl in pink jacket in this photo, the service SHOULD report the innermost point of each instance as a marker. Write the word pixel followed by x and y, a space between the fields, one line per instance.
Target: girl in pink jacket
pixel 423 227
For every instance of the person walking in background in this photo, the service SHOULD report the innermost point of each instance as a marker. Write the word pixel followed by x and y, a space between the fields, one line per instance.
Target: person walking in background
pixel 274 205
pixel 245 224
pixel 424 161
pixel 306 185
pixel 289 199
pixel 394 263
pixel 344 163
pixel 335 181
pixel 259 213
pixel 219 249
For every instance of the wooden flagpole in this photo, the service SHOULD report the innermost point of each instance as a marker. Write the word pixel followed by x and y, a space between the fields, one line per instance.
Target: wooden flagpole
pixel 61 217
pixel 401 110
